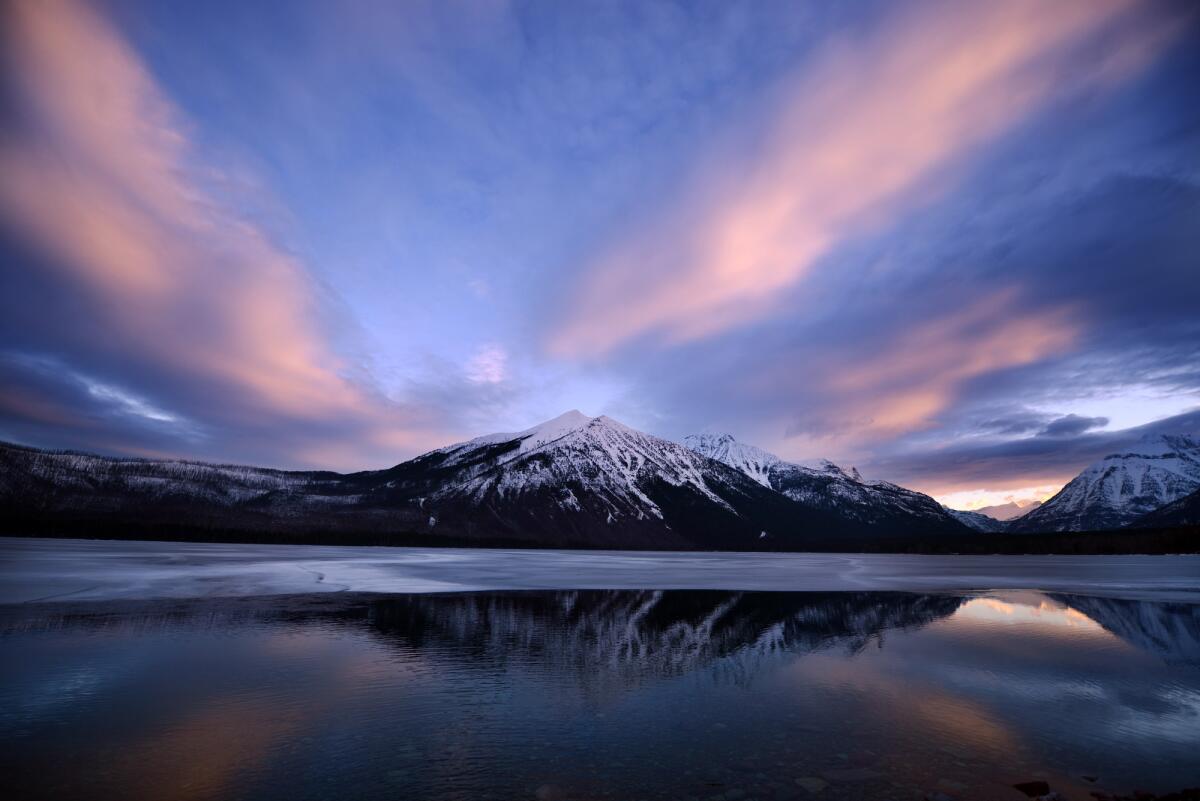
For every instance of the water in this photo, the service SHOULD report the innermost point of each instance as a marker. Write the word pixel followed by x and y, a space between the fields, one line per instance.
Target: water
pixel 599 694
pixel 588 694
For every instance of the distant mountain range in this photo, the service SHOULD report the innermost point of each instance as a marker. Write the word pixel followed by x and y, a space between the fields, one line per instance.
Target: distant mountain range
pixel 574 481
pixel 1007 511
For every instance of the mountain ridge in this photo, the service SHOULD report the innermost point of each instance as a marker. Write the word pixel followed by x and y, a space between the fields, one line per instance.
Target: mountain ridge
pixel 1116 490
pixel 571 481
pixel 874 504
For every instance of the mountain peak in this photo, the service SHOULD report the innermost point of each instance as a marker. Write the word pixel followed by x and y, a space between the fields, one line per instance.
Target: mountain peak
pixel 567 420
pixel 1121 487
pixel 754 462
pixel 1156 443
pixel 821 484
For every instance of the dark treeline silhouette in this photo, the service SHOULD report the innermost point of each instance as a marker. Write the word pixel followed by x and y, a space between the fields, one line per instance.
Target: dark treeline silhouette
pixel 187 526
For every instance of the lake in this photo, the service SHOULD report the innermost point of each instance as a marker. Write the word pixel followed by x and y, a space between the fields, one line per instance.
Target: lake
pixel 182 671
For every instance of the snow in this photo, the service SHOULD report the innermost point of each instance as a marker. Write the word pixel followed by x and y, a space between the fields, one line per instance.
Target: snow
pixel 607 458
pixel 85 570
pixel 820 482
pixel 754 462
pixel 531 438
pixel 1121 487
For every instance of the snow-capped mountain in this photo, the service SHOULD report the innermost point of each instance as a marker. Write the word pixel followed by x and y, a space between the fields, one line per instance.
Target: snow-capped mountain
pixel 1008 511
pixel 571 481
pixel 1121 487
pixel 879 505
pixel 595 480
pixel 977 520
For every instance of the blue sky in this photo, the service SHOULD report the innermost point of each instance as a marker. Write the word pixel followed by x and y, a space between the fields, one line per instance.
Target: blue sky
pixel 955 244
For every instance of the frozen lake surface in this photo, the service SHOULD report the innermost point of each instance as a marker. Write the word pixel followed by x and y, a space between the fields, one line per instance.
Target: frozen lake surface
pixel 80 570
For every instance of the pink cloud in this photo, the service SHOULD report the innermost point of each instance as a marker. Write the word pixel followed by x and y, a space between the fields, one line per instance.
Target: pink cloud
pixel 866 392
pixel 913 377
pixel 867 129
pixel 101 175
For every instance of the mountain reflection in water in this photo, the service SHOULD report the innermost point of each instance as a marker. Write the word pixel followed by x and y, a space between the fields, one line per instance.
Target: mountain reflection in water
pixel 599 694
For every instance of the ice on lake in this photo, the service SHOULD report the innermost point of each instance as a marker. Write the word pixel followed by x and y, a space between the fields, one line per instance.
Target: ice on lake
pixel 78 570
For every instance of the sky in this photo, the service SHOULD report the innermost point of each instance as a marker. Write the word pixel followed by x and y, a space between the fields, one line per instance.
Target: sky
pixel 955 244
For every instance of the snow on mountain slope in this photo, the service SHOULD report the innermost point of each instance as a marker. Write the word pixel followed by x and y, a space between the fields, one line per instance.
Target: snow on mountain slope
pixel 823 485
pixel 596 478
pixel 977 520
pixel 601 455
pixel 1121 487
pixel 754 462
pixel 573 480
pixel 529 439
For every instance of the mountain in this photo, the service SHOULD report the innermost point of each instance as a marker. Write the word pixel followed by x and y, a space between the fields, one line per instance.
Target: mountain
pixel 879 506
pixel 977 520
pixel 1121 487
pixel 580 480
pixel 754 462
pixel 571 481
pixel 992 519
pixel 1183 512
pixel 1008 511
pixel 59 490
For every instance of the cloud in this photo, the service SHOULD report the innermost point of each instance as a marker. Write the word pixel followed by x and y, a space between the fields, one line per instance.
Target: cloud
pixel 999 503
pixel 103 188
pixel 488 366
pixel 1010 464
pixel 1072 425
pixel 917 373
pixel 866 131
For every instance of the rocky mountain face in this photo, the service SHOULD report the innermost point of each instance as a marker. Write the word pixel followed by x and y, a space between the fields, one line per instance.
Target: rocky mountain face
pixel 878 506
pixel 1183 512
pixel 1121 487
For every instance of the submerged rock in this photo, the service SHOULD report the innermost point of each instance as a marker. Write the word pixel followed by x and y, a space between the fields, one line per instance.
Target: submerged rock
pixel 1034 789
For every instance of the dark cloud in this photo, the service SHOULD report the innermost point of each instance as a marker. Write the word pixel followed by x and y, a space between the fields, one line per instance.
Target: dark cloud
pixel 1019 422
pixel 1072 425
